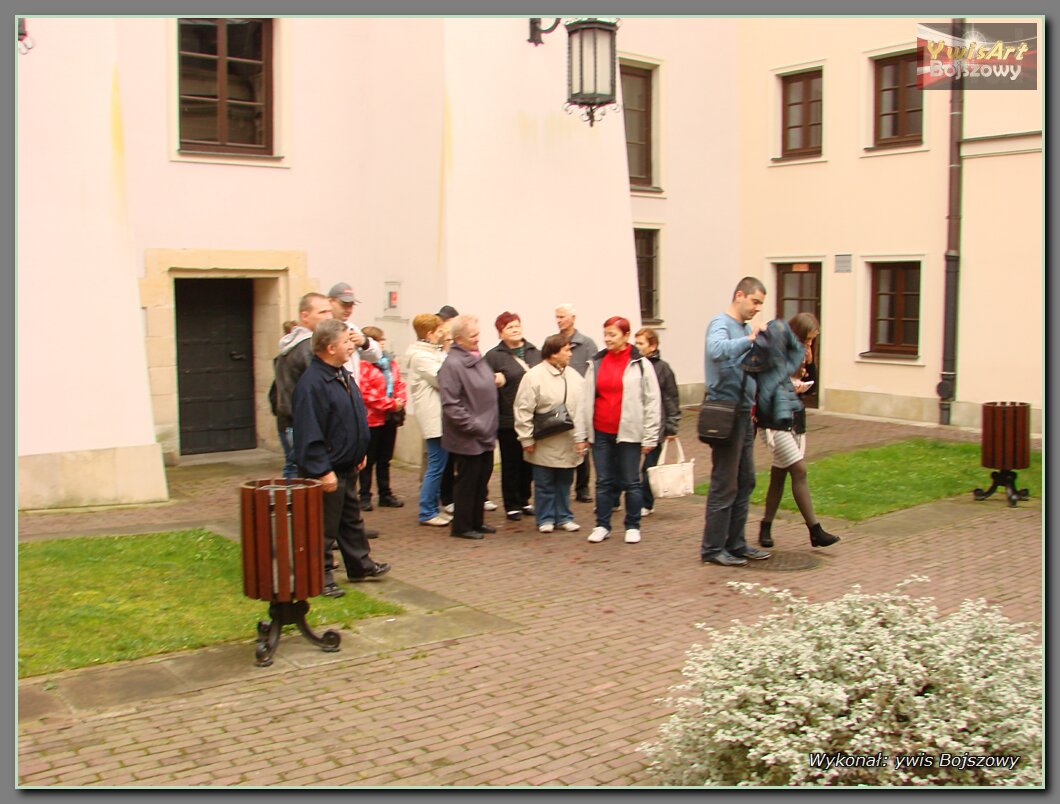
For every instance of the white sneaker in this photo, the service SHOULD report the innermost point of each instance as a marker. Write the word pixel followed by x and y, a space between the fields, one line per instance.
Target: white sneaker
pixel 645 511
pixel 599 534
pixel 571 526
pixel 448 508
pixel 632 536
pixel 489 505
pixel 548 527
pixel 437 521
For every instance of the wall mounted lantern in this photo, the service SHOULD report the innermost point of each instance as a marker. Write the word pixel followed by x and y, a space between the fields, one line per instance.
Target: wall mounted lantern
pixel 590 62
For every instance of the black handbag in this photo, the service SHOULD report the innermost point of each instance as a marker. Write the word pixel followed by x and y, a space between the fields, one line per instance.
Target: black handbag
pixel 396 417
pixel 553 421
pixel 717 418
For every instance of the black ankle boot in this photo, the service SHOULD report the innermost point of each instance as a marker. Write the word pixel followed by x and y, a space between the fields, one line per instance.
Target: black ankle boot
pixel 819 537
pixel 765 538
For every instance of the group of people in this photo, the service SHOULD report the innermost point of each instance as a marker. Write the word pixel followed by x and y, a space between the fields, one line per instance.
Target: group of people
pixel 339 398
pixel 469 402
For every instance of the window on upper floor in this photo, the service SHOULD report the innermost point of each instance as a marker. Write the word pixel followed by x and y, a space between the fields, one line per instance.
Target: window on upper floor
pixel 646 242
pixel 801 114
pixel 226 85
pixel 637 109
pixel 899 115
pixel 895 307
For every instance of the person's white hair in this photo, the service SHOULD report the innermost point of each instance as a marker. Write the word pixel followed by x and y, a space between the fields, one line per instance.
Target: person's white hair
pixel 566 309
pixel 459 326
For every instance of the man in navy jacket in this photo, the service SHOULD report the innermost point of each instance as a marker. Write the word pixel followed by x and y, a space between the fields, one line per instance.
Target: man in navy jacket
pixel 330 442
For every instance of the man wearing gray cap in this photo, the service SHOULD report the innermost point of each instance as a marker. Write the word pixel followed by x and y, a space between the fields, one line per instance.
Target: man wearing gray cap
pixel 342 304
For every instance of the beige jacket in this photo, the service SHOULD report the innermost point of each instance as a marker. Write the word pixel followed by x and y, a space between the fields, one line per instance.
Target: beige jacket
pixel 540 390
pixel 422 379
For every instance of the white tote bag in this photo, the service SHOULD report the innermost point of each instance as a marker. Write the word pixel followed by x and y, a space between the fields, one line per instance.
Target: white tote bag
pixel 673 479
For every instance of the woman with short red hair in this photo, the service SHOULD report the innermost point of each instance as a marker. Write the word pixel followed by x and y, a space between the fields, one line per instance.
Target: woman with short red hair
pixel 622 393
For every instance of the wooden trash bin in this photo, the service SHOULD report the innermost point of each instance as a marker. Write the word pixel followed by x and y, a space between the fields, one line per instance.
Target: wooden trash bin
pixel 1006 446
pixel 283 557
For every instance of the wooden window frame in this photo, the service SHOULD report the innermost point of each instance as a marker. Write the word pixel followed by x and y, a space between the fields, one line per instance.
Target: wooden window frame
pixel 651 315
pixel 899 314
pixel 904 137
pixel 805 79
pixel 646 74
pixel 222 146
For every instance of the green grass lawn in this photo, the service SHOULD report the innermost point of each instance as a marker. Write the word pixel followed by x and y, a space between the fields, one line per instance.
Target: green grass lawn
pixel 89 601
pixel 865 483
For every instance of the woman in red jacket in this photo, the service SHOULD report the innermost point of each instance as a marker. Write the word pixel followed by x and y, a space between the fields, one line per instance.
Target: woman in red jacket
pixel 385 397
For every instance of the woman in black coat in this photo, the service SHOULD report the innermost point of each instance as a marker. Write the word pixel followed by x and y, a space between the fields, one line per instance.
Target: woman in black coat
pixel 647 341
pixel 512 358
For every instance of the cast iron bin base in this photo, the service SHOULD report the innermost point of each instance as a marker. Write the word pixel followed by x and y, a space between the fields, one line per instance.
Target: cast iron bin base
pixel 291 613
pixel 1004 478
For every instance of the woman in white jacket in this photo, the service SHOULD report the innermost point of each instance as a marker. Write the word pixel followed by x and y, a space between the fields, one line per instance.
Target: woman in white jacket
pixel 622 394
pixel 554 457
pixel 425 357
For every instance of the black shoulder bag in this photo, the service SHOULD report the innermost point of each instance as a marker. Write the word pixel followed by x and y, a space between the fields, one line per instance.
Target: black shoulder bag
pixel 553 421
pixel 717 418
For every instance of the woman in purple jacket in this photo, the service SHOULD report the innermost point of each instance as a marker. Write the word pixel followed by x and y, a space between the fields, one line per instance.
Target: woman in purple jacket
pixel 468 388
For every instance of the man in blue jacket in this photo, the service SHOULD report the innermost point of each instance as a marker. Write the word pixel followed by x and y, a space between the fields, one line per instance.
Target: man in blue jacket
pixel 330 442
pixel 732 476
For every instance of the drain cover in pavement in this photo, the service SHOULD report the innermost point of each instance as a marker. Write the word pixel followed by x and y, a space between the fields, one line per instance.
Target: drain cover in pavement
pixel 786 562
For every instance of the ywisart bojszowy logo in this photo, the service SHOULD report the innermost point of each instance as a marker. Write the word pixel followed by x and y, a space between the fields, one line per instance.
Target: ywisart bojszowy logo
pixel 977 55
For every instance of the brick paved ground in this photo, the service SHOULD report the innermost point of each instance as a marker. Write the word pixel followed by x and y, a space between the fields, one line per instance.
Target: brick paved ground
pixel 563 700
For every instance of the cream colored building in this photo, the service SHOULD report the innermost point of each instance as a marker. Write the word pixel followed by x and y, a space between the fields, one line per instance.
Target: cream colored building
pixel 430 161
pixel 857 207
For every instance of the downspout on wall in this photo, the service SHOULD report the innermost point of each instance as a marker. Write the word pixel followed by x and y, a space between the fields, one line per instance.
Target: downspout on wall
pixel 947 387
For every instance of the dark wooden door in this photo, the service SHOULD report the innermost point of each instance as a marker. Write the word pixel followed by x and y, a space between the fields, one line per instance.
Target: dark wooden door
pixel 215 364
pixel 799 286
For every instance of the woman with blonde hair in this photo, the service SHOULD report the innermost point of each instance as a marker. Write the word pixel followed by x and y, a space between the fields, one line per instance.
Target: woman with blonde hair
pixel 468 388
pixel 425 357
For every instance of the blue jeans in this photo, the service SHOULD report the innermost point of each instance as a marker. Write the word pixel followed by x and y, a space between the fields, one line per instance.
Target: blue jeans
pixel 617 470
pixel 437 456
pixel 732 479
pixel 290 468
pixel 650 460
pixel 552 494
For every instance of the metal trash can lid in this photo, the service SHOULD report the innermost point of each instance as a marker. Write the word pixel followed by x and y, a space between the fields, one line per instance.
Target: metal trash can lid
pixel 280 483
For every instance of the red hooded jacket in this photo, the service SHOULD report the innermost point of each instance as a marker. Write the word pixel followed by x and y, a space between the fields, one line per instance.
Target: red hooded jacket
pixel 373 389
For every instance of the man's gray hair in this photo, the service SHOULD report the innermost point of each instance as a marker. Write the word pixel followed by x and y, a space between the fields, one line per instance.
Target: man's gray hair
pixel 328 332
pixel 566 309
pixel 459 326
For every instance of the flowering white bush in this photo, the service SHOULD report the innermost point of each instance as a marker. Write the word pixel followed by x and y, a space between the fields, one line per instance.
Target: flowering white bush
pixel 862 690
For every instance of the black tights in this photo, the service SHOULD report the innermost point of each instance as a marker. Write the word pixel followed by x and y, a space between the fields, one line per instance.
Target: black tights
pixel 800 490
